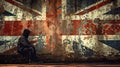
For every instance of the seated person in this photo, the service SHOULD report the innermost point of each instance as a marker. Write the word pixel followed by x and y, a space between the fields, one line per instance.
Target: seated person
pixel 25 48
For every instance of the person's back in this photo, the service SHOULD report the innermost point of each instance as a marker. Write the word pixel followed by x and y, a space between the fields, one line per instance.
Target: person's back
pixel 23 44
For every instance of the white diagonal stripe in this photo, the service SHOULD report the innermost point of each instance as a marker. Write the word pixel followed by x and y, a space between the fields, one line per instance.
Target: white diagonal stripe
pixel 93 43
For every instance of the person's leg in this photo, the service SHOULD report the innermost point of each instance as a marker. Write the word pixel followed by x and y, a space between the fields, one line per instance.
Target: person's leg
pixel 32 54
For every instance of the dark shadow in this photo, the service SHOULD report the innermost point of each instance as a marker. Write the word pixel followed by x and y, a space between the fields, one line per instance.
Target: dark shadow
pixel 25 48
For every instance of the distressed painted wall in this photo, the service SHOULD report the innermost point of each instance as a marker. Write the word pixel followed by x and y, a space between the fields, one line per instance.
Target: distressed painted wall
pixel 82 27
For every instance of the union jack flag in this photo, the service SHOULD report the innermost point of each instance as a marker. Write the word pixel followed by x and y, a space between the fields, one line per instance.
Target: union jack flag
pixel 95 27
pixel 17 15
pixel 91 25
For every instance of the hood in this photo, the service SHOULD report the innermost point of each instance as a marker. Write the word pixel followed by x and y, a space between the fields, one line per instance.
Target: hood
pixel 26 33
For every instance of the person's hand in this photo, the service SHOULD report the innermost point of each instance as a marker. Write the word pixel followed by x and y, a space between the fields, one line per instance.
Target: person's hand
pixel 32 42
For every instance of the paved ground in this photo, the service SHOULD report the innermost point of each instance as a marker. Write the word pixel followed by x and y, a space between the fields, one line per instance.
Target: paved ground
pixel 56 61
pixel 59 65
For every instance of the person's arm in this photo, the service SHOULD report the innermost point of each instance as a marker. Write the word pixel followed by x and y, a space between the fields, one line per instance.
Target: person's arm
pixel 25 42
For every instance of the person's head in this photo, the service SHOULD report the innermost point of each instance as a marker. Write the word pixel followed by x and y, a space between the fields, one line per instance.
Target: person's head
pixel 26 33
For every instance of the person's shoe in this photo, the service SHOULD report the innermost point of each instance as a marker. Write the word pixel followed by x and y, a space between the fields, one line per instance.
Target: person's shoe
pixel 35 60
